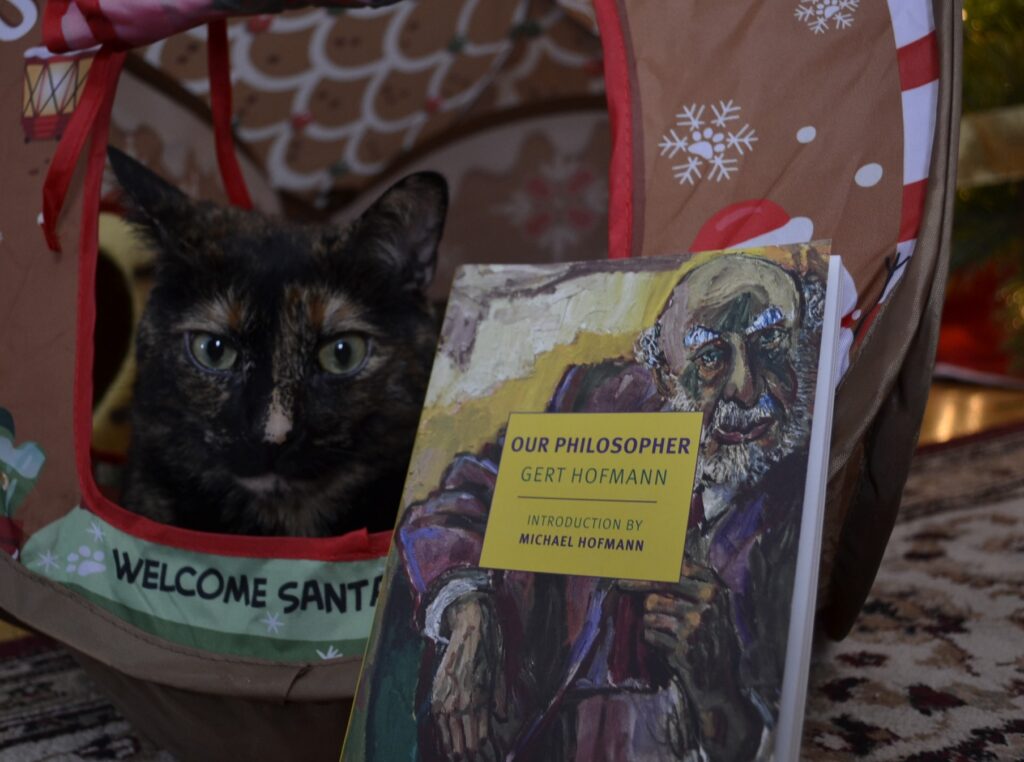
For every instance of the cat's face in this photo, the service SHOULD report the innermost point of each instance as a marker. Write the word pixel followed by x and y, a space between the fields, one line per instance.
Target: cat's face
pixel 281 369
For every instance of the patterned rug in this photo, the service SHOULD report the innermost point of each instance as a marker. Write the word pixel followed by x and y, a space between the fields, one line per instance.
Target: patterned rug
pixel 932 672
pixel 49 710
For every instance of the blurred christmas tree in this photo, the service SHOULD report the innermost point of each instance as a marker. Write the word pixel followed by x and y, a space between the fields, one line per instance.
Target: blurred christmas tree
pixel 988 234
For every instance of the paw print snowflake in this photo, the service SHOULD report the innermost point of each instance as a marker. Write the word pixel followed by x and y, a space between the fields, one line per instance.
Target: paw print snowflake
pixel 707 143
pixel 85 562
pixel 818 14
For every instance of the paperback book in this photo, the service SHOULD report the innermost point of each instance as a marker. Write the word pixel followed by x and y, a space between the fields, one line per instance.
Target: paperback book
pixel 610 530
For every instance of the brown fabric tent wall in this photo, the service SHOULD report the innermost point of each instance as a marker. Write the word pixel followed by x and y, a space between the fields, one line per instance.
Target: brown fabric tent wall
pixel 208 706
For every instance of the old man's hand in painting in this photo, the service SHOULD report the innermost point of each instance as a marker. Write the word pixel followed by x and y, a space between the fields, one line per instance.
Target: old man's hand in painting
pixel 526 666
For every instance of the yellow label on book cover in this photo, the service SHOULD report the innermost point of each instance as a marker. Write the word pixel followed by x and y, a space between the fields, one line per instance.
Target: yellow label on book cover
pixel 594 494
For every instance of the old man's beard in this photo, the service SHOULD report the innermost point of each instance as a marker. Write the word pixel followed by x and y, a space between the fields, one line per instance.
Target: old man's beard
pixel 743 464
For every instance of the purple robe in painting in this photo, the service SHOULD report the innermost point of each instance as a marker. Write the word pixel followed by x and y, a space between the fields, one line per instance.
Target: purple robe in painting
pixel 583 684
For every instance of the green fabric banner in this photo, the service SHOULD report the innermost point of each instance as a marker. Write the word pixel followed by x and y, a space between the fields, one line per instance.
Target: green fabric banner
pixel 280 609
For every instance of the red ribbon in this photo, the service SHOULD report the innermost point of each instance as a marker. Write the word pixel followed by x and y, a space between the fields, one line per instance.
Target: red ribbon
pixel 92 118
pixel 100 26
pixel 219 66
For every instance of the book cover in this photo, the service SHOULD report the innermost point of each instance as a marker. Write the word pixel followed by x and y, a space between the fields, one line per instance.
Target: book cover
pixel 608 543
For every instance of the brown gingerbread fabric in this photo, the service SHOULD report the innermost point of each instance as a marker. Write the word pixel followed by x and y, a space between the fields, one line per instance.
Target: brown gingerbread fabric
pixel 810 123
pixel 297 131
pixel 37 287
pixel 533 190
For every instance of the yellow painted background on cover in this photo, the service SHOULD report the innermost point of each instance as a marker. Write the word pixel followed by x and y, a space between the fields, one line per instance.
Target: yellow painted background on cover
pixel 606 313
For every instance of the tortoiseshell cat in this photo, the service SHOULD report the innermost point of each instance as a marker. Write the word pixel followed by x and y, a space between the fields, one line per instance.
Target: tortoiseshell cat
pixel 281 367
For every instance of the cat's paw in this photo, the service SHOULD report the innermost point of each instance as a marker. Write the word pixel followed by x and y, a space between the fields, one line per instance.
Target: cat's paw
pixel 85 562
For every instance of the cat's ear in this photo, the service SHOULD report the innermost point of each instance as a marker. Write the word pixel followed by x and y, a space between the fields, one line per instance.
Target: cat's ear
pixel 404 226
pixel 153 203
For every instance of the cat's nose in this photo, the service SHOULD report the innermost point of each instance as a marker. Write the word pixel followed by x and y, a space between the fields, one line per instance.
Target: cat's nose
pixel 278 422
pixel 277 427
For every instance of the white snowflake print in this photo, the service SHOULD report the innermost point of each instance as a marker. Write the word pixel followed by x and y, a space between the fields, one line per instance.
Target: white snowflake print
pixel 95 531
pixel 273 622
pixel 330 653
pixel 47 561
pixel 707 145
pixel 818 14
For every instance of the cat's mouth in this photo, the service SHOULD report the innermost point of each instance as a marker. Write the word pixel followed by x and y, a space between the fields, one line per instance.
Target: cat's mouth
pixel 267 484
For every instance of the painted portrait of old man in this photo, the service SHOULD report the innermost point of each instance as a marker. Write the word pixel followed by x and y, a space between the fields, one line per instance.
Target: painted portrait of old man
pixel 504 664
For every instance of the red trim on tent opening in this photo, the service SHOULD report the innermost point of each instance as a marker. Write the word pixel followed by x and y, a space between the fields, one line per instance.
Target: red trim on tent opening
pixel 91 120
pixel 620 116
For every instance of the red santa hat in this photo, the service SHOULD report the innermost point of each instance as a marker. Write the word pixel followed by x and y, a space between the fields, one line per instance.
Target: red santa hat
pixel 758 222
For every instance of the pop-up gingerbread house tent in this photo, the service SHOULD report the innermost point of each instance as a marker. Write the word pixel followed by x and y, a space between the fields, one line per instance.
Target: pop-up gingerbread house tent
pixel 724 125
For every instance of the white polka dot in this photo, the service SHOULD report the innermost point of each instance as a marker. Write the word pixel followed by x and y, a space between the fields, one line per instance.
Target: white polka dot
pixel 806 134
pixel 868 175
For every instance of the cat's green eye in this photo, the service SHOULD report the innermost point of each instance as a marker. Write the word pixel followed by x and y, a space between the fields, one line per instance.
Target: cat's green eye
pixel 344 355
pixel 212 351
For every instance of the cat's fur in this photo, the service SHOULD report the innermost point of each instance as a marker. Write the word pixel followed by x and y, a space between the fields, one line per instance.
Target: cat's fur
pixel 276 445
